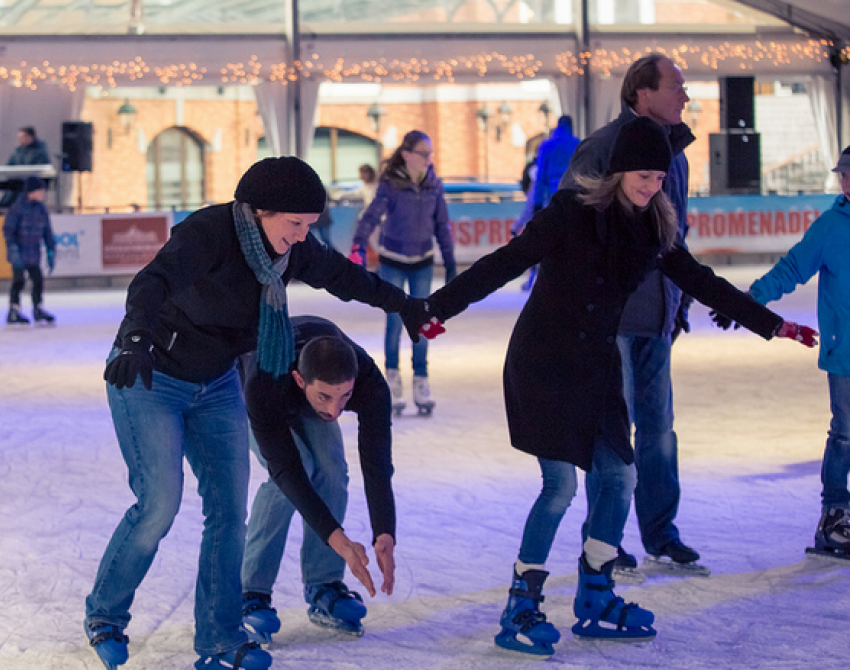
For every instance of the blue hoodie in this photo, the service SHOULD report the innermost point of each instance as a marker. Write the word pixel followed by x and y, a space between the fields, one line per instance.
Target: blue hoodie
pixel 825 249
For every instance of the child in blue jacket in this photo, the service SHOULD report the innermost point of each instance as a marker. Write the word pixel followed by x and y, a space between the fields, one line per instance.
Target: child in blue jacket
pixel 26 226
pixel 825 249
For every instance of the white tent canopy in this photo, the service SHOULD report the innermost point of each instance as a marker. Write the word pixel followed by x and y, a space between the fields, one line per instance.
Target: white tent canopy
pixel 405 54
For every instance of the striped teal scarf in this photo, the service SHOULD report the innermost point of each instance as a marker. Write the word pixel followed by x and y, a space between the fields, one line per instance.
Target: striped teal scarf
pixel 275 338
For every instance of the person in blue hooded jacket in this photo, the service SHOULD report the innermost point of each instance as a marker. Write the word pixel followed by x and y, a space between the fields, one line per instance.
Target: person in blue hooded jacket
pixel 410 207
pixel 825 250
pixel 26 226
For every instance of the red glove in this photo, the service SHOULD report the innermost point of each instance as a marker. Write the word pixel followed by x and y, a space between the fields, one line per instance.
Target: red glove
pixel 357 255
pixel 802 334
pixel 433 328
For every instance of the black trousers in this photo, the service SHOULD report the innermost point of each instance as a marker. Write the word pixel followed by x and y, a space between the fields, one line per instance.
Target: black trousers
pixel 18 281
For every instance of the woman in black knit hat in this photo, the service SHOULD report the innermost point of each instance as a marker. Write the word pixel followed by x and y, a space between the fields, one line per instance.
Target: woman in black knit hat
pixel 562 379
pixel 216 290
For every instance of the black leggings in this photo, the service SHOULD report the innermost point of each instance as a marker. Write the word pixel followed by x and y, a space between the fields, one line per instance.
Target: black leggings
pixel 18 280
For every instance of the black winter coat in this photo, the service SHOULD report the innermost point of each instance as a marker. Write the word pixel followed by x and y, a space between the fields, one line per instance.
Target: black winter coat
pixel 199 301
pixel 562 373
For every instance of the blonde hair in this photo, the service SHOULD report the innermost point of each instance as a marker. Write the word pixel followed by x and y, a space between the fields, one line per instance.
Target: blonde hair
pixel 600 192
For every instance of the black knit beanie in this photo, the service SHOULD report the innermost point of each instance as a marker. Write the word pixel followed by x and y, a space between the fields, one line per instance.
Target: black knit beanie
pixel 285 184
pixel 33 183
pixel 641 144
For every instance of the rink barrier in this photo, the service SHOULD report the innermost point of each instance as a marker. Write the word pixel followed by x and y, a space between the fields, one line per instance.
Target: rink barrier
pixel 97 248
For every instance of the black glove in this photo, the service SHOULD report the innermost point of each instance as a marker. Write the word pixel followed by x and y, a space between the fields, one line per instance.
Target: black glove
pixel 722 321
pixel 134 360
pixel 415 313
pixel 451 271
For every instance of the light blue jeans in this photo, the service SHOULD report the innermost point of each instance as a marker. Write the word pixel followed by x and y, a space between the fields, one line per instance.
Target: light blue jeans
pixel 649 396
pixel 419 281
pixel 323 454
pixel 836 457
pixel 609 484
pixel 208 425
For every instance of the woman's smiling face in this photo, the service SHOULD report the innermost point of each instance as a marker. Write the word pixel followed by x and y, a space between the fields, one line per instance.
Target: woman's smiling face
pixel 285 229
pixel 641 185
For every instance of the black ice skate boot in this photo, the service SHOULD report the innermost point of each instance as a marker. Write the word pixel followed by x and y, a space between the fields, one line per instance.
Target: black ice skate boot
pixel 833 533
pixel 43 318
pixel 524 626
pixel 603 615
pixel 15 319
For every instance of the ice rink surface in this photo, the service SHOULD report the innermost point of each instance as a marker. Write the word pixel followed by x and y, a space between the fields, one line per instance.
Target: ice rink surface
pixel 751 418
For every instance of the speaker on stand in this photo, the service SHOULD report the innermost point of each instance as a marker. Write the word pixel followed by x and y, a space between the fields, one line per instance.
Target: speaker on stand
pixel 735 152
pixel 77 151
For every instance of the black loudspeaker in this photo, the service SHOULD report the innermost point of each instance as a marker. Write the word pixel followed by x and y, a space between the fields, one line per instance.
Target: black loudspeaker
pixel 737 103
pixel 76 146
pixel 735 164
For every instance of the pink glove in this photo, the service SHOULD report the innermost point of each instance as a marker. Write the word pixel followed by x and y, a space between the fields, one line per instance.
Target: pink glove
pixel 357 255
pixel 433 328
pixel 802 334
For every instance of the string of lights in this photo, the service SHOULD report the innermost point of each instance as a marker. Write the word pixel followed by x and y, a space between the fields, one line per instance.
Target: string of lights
pixel 740 56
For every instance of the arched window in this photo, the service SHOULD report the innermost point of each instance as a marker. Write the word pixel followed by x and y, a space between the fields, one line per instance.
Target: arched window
pixel 175 170
pixel 337 154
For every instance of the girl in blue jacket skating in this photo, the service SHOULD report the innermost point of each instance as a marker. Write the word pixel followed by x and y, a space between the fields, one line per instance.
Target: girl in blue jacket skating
pixel 410 207
pixel 825 249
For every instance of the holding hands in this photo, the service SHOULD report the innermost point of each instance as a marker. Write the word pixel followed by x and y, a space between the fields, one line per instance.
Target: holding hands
pixel 418 319
pixel 803 334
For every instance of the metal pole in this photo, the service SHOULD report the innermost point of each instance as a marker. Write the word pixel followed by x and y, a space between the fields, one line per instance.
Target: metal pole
pixel 293 98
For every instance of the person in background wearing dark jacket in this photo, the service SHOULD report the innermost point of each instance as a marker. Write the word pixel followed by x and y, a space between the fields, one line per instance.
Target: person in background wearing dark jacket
pixel 653 316
pixel 562 378
pixel 216 290
pixel 26 226
pixel 30 151
pixel 294 420
pixel 410 207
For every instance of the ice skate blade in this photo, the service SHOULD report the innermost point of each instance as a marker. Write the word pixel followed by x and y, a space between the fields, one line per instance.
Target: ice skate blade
pixel 524 645
pixel 828 554
pixel 667 566
pixel 262 638
pixel 628 576
pixel 332 623
pixel 17 326
pixel 599 630
pixel 45 324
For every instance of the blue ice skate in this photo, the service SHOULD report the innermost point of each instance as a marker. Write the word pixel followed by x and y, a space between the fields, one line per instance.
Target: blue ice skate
pixel 248 657
pixel 259 618
pixel 524 626
pixel 109 643
pixel 334 606
pixel 601 614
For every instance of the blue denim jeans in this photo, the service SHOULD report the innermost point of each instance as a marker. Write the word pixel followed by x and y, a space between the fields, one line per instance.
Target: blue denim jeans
pixel 609 484
pixel 208 425
pixel 559 489
pixel 419 281
pixel 323 454
pixel 649 396
pixel 836 457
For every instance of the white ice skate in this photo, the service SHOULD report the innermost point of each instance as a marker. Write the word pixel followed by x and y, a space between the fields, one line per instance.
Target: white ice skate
pixel 396 389
pixel 422 396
